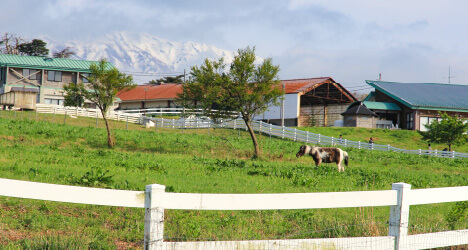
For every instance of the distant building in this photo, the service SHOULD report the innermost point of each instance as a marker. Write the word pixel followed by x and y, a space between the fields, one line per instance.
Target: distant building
pixel 412 105
pixel 162 95
pixel 310 102
pixel 358 115
pixel 43 76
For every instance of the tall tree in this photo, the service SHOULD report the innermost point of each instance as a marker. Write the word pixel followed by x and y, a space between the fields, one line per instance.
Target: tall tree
pixel 172 79
pixel 10 44
pixel 246 90
pixel 65 53
pixel 36 47
pixel 450 130
pixel 104 83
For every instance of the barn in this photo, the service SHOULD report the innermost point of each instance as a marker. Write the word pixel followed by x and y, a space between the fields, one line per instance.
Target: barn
pixel 310 102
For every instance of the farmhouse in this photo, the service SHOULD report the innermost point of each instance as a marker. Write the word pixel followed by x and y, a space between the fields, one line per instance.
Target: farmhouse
pixel 310 102
pixel 162 95
pixel 43 77
pixel 412 105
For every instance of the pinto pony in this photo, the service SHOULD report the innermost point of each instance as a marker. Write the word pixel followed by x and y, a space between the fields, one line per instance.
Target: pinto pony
pixel 327 155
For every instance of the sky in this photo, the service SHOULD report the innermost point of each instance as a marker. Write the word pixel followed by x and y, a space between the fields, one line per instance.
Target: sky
pixel 349 40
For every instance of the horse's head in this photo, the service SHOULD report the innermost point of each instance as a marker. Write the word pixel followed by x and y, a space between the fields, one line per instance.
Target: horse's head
pixel 302 151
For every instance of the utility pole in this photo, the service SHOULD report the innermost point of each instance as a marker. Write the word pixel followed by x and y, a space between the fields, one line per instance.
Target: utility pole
pixel 282 108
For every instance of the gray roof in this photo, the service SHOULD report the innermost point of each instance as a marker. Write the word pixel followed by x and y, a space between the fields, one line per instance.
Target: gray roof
pixel 433 96
pixel 358 110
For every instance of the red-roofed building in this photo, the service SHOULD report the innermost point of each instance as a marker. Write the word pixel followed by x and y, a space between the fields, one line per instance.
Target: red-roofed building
pixel 310 102
pixel 150 96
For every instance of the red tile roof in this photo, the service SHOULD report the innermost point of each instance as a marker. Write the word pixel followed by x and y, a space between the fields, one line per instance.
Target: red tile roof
pixel 153 92
pixel 302 85
pixel 170 90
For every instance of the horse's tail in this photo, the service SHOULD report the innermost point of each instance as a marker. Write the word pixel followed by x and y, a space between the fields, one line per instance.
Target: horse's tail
pixel 345 154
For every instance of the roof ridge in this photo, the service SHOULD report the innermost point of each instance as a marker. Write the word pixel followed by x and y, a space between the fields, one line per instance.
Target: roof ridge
pixel 431 83
pixel 322 77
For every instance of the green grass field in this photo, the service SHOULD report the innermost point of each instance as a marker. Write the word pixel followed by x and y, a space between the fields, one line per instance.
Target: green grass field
pixel 192 161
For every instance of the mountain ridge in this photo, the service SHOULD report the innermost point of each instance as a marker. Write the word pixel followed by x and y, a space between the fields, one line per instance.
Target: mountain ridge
pixel 143 55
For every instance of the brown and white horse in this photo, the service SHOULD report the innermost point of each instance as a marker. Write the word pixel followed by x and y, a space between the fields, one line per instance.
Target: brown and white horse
pixel 326 155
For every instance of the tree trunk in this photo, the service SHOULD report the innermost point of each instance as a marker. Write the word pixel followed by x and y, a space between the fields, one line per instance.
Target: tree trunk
pixel 450 147
pixel 110 141
pixel 254 138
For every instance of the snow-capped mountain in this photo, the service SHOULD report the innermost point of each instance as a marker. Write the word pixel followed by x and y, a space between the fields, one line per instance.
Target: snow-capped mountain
pixel 145 56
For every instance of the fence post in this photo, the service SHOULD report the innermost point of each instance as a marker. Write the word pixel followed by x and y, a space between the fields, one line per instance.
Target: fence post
pixel 154 217
pixel 295 134
pixel 282 135
pixel 359 144
pixel 388 147
pixel 270 130
pixel 419 152
pixel 307 136
pixel 435 152
pixel 318 139
pixel 332 141
pixel 345 142
pixel 453 154
pixel 399 214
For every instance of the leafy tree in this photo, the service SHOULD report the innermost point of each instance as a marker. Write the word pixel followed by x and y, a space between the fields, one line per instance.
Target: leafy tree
pixel 246 90
pixel 36 47
pixel 450 130
pixel 65 53
pixel 72 95
pixel 104 83
pixel 172 79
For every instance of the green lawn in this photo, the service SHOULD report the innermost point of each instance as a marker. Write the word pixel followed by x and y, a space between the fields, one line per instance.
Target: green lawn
pixel 195 162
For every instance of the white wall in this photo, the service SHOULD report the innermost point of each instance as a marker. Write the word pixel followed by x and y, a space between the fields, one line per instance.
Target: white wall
pixel 291 109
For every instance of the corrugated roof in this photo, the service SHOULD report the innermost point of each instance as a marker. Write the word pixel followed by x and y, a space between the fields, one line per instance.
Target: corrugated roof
pixel 435 96
pixel 381 105
pixel 302 85
pixel 36 62
pixel 153 92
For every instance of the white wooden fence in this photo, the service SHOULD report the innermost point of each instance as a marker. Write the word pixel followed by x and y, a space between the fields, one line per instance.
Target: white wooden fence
pixel 155 200
pixel 137 116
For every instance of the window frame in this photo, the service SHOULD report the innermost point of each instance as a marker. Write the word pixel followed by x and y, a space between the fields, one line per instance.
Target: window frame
pixel 55 76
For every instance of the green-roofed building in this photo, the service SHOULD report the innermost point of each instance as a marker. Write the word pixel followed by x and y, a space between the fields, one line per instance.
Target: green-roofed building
pixel 43 75
pixel 412 105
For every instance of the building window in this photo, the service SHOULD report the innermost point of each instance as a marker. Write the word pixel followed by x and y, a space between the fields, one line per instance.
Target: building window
pixel 54 76
pixel 409 120
pixel 32 72
pixel 84 77
pixel 54 101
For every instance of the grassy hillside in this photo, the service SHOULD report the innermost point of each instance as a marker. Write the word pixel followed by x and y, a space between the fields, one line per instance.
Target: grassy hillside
pixel 193 161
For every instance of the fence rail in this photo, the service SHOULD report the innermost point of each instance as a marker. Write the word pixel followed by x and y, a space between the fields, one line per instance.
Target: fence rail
pixel 137 116
pixel 155 200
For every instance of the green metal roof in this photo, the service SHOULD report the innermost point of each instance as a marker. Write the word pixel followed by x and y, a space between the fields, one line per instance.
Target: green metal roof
pixel 429 96
pixel 381 105
pixel 48 63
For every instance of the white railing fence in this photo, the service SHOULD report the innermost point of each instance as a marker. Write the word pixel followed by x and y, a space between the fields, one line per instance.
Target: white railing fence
pixel 155 200
pixel 137 116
